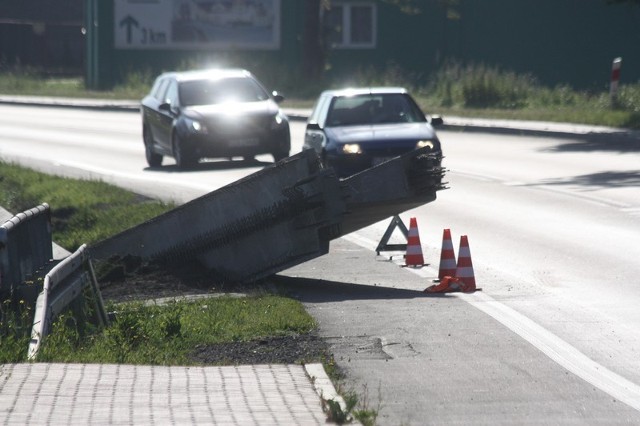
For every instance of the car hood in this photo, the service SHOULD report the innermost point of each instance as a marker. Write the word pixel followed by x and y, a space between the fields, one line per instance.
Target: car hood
pixel 231 109
pixel 380 133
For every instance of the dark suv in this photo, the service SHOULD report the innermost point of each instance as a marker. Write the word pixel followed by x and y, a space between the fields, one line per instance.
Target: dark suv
pixel 212 113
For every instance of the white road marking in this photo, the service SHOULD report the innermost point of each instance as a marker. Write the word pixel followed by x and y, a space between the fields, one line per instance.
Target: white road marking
pixel 548 343
pixel 132 176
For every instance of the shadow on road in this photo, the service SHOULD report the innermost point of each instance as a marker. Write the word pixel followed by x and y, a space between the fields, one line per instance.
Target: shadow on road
pixel 610 142
pixel 311 290
pixel 613 179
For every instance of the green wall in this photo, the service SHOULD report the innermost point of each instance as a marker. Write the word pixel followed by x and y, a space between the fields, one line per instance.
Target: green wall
pixel 558 41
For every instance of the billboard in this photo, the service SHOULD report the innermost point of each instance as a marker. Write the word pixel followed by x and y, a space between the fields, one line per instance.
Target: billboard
pixel 197 24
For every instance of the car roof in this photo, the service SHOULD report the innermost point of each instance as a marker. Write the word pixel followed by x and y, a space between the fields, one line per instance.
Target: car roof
pixel 354 91
pixel 206 74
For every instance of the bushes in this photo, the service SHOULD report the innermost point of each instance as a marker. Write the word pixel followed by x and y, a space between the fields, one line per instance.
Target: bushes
pixel 483 91
pixel 469 90
pixel 481 86
pixel 629 98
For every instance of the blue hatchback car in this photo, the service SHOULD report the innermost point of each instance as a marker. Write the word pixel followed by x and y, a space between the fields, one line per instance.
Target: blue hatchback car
pixel 358 128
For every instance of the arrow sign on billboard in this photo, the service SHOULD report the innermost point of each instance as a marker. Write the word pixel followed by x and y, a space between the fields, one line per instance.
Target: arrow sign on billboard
pixel 129 22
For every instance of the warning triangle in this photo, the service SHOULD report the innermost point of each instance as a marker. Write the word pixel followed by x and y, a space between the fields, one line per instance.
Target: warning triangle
pixel 384 245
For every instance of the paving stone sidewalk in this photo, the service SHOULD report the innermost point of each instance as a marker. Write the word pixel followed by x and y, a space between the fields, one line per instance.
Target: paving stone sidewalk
pixel 100 394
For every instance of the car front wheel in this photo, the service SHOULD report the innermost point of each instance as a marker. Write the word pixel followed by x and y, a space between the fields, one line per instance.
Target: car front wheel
pixel 282 150
pixel 184 159
pixel 279 155
pixel 153 159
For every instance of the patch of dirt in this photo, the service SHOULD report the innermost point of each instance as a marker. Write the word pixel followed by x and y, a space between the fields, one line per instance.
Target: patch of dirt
pixel 128 279
pixel 272 350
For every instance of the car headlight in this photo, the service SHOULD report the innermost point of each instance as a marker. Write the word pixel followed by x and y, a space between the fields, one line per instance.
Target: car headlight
pixel 196 127
pixel 351 148
pixel 425 143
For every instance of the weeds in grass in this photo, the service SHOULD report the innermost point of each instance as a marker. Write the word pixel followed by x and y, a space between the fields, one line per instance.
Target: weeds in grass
pixel 481 86
pixel 335 412
pixel 354 407
pixel 16 320
pixel 364 412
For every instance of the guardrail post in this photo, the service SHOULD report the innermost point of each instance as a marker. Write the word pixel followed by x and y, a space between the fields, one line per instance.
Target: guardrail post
pixel 615 79
pixel 101 312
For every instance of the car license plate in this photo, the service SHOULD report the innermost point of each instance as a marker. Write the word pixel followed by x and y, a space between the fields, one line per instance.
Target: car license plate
pixel 246 142
pixel 379 160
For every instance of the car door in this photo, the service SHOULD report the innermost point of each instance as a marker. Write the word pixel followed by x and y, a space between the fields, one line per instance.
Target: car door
pixel 314 137
pixel 167 113
pixel 150 108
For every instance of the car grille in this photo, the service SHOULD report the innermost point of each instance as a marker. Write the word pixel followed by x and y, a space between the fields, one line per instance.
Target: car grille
pixel 240 126
pixel 388 151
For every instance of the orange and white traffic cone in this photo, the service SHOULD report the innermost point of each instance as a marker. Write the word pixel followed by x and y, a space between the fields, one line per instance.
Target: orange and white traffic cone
pixel 447 257
pixel 413 256
pixel 464 279
pixel 464 270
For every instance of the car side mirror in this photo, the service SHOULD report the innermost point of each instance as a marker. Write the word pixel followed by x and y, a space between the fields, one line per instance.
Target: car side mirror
pixel 277 97
pixel 436 120
pixel 166 106
pixel 313 126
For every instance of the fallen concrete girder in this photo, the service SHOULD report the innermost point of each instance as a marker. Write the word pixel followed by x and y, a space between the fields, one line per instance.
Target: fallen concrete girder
pixel 278 217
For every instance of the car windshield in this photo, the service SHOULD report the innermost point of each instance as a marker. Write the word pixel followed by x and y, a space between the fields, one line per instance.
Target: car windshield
pixel 373 109
pixel 207 92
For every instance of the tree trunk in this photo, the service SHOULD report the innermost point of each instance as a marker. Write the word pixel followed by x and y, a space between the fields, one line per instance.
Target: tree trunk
pixel 314 55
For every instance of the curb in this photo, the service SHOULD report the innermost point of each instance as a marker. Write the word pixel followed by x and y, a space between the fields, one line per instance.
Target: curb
pixel 535 128
pixel 99 104
pixel 324 387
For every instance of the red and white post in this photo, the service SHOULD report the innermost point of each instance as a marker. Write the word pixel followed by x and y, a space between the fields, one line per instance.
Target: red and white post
pixel 615 78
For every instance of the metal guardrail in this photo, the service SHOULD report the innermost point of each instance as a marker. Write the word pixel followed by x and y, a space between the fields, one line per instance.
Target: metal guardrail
pixel 26 250
pixel 64 285
pixel 25 246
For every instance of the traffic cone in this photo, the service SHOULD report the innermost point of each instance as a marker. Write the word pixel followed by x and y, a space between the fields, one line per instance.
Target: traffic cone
pixel 413 257
pixel 447 257
pixel 447 285
pixel 464 269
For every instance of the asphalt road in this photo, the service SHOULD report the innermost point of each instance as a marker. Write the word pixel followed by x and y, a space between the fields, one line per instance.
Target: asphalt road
pixel 553 226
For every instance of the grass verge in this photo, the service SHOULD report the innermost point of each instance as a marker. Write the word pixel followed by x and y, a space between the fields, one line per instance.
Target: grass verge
pixel 169 334
pixel 473 90
pixel 81 211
